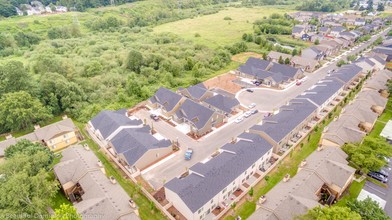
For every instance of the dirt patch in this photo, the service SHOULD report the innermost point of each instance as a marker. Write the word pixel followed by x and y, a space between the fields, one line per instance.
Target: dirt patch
pixel 243 57
pixel 223 82
pixel 175 213
pixel 144 184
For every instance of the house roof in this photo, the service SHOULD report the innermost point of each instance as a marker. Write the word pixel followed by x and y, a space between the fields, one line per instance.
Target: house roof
pixel 276 55
pixel 383 50
pixel 295 197
pixel 298 29
pixel 101 198
pixel 288 118
pixel 208 179
pixel 376 58
pixel 108 121
pixel 361 110
pixel 372 97
pixel 133 143
pixel 304 61
pixel 338 29
pixel 195 113
pixel 322 91
pixel 196 91
pixel 311 52
pixel 344 130
pixel 285 70
pixel 254 65
pixel 223 103
pixel 378 80
pixel 346 72
pixel 166 98
pixel 324 29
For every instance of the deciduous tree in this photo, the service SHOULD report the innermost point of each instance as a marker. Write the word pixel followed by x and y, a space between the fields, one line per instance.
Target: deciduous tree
pixel 368 209
pixel 330 213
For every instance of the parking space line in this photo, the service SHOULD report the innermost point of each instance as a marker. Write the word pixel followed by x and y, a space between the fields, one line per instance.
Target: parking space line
pixel 371 187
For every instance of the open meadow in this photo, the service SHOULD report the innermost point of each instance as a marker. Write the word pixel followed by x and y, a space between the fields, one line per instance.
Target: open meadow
pixel 217 29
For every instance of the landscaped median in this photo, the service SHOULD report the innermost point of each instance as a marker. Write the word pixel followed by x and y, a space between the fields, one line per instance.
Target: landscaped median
pixel 147 209
pixel 289 165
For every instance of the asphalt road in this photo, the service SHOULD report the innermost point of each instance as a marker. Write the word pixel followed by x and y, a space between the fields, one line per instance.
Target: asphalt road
pixel 266 100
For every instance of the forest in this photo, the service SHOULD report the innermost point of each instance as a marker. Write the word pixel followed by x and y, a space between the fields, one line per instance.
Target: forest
pixel 102 62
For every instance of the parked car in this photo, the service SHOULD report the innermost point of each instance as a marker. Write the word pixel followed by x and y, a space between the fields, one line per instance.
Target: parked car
pixel 298 83
pixel 252 105
pixel 247 114
pixel 383 172
pixel 254 111
pixel 154 117
pixel 249 90
pixel 378 177
pixel 239 119
pixel 188 154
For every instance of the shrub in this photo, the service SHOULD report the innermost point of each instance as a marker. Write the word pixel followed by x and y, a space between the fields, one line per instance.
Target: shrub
pixel 227 18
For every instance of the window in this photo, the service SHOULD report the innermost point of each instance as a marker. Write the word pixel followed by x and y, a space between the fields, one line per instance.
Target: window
pixel 253 166
pixel 65 136
pixel 54 147
pixel 233 183
pixel 224 190
pixel 67 141
pixel 212 200
pixel 201 209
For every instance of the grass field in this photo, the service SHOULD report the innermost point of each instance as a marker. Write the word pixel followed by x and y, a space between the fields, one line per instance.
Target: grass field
pixel 214 31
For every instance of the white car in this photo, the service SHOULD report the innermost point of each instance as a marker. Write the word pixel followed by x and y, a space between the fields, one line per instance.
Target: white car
pixel 239 119
pixel 252 105
pixel 247 114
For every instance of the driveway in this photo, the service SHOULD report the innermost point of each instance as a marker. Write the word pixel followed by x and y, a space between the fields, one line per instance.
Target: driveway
pixel 266 100
pixel 269 99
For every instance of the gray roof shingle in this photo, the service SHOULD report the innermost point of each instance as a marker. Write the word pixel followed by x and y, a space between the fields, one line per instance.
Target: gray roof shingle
pixel 322 91
pixel 219 172
pixel 285 70
pixel 108 121
pixel 133 143
pixel 223 103
pixel 194 112
pixel 166 98
pixel 253 65
pixel 346 72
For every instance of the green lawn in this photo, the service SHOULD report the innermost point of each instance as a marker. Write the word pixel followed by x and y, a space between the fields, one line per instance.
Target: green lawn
pixel 214 31
pixel 353 193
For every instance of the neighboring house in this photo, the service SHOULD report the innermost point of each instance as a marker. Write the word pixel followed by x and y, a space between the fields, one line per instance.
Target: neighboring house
pixel 83 180
pixel 166 101
pixel 284 128
pixel 287 71
pixel 212 184
pixel 197 93
pixel 323 93
pixel 384 50
pixel 106 124
pixel 56 136
pixel 274 56
pixel 315 37
pixel 298 31
pixel 325 171
pixel 324 30
pixel 378 82
pixel 312 53
pixel 252 66
pixel 367 65
pixel 335 31
pixel 139 147
pixel 223 104
pixel 199 118
pixel 329 47
pixel 348 74
pixel 307 65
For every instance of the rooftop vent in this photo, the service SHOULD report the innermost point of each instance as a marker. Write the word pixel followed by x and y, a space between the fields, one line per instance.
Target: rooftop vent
pixel 132 203
pixel 303 163
pixel 262 199
pixel 36 127
pixel 112 180
pixel 86 147
pixel 286 178
pixel 99 163
pixel 320 148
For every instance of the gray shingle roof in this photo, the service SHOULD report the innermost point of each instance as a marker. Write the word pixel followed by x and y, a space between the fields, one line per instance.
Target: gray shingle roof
pixel 297 29
pixel 133 143
pixel 383 50
pixel 323 29
pixel 338 29
pixel 322 91
pixel 194 112
pixel 223 103
pixel 253 65
pixel 366 60
pixel 346 72
pixel 219 172
pixel 196 91
pixel 289 117
pixel 108 121
pixel 166 98
pixel 285 70
pixel 101 198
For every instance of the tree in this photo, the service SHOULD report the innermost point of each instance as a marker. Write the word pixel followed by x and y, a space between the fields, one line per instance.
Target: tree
pixel 317 42
pixel 26 189
pixel 7 9
pixel 26 39
pixel 294 52
pixel 19 110
pixel 281 61
pixel 28 148
pixel 66 212
pixel 14 77
pixel 380 7
pixel 134 61
pixel 370 5
pixel 368 209
pixel 330 213
pixel 370 154
pixel 287 61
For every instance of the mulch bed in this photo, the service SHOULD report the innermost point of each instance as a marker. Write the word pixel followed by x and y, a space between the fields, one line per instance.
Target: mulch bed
pixel 160 196
pixel 175 213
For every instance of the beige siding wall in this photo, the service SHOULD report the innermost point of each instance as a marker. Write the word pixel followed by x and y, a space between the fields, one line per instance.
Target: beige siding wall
pixel 179 204
pixel 152 156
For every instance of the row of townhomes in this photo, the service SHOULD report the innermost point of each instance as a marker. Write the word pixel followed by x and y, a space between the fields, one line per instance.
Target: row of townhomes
pixel 212 185
pixel 56 136
pixel 196 107
pixel 37 8
pixel 270 73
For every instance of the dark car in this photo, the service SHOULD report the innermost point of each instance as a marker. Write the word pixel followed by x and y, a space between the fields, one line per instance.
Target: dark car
pixel 154 117
pixel 378 177
pixel 249 90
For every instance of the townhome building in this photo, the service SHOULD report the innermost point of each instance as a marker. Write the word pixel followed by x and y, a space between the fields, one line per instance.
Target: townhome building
pixel 166 101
